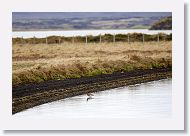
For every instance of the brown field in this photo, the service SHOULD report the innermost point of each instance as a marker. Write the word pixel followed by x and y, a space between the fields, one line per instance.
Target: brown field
pixel 37 63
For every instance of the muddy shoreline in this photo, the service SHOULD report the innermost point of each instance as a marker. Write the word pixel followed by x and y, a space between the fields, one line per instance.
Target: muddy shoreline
pixel 29 95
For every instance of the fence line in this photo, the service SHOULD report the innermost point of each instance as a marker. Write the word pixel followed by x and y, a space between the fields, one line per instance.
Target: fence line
pixel 106 38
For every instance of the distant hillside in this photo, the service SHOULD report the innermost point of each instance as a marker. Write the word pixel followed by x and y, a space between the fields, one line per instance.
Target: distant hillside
pixel 163 24
pixel 27 21
pixel 61 15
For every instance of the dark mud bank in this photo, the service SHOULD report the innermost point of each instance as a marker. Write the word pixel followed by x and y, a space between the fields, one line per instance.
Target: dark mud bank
pixel 29 95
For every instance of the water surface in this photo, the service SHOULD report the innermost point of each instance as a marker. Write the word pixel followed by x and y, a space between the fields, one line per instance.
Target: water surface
pixel 42 34
pixel 152 99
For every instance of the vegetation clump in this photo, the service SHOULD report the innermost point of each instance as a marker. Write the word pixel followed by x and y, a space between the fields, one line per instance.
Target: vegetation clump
pixel 163 24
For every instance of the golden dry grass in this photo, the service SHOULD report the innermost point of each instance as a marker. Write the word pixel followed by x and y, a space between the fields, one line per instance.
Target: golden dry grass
pixel 36 63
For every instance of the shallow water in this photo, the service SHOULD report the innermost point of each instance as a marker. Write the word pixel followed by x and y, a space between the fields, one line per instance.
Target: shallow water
pixel 152 99
pixel 42 34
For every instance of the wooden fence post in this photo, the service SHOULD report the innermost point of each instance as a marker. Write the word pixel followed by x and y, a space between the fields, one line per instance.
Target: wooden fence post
pixel 46 40
pixel 86 39
pixel 22 40
pixel 34 40
pixel 158 38
pixel 100 38
pixel 165 38
pixel 114 38
pixel 128 38
pixel 73 40
pixel 143 38
pixel 59 40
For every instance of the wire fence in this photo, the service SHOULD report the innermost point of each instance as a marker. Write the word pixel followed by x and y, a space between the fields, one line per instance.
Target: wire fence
pixel 130 37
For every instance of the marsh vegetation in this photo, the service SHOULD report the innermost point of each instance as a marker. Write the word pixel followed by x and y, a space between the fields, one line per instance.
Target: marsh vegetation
pixel 41 62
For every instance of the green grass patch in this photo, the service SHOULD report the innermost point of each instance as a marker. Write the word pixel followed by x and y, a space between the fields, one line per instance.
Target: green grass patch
pixel 81 70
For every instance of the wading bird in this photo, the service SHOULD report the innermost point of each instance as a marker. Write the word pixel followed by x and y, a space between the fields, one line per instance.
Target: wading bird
pixel 89 96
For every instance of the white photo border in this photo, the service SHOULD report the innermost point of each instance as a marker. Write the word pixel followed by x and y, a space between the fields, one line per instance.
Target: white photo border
pixel 8 122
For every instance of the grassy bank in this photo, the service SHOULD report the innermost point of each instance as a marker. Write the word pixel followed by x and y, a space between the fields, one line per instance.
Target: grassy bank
pixel 38 63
